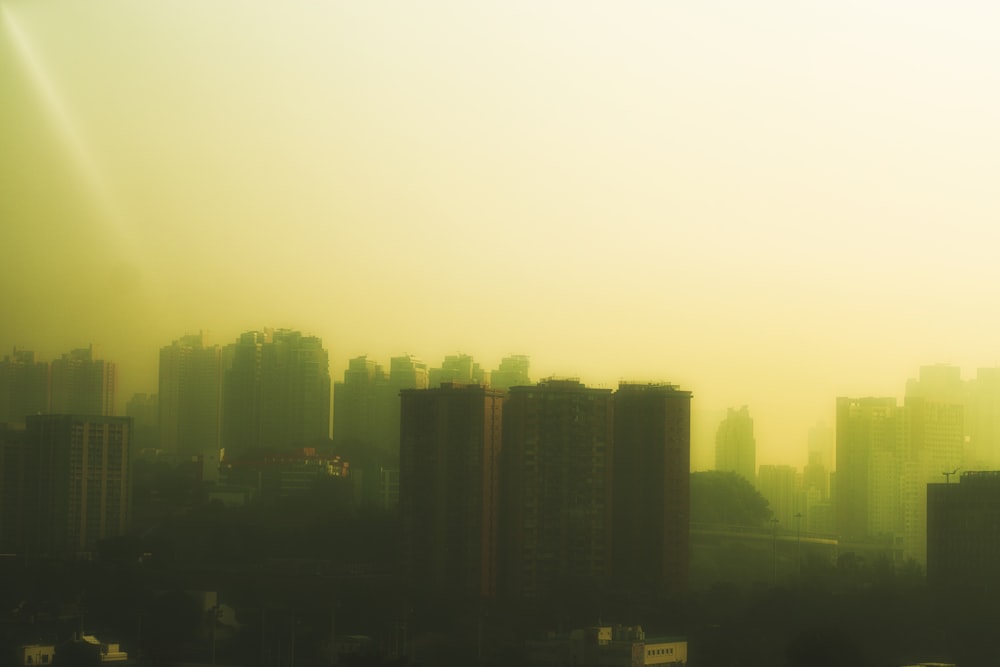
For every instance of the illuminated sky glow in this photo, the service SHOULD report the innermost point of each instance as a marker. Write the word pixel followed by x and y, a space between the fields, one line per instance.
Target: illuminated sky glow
pixel 769 204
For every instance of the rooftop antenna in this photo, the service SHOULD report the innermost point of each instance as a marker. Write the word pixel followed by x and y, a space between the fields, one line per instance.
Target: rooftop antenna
pixel 947 475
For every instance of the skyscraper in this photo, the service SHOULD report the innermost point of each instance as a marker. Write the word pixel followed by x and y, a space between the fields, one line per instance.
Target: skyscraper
pixel 450 440
pixel 735 446
pixel 190 397
pixel 651 493
pixel 276 393
pixel 78 483
pixel 83 383
pixel 24 386
pixel 556 512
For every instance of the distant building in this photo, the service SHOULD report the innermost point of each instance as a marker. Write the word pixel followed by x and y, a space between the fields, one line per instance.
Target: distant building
pixel 513 372
pixel 735 446
pixel 286 474
pixel 982 421
pixel 651 494
pixel 24 386
pixel 190 398
pixel 276 393
pixel 872 435
pixel 83 383
pixel 557 480
pixel 450 440
pixel 363 406
pixel 460 368
pixel 78 486
pixel 936 447
pixel 776 483
pixel 963 531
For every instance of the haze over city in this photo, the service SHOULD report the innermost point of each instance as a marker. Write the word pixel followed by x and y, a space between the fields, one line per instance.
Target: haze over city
pixel 768 205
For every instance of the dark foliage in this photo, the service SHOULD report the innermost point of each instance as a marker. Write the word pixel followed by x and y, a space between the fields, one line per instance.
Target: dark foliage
pixel 726 498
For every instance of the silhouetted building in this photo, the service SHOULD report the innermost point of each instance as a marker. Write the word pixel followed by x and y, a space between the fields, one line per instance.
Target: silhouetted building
pixel 963 531
pixel 556 486
pixel 607 646
pixel 735 446
pixel 83 383
pixel 460 368
pixel 363 406
pixel 77 489
pixel 288 474
pixel 13 491
pixel 450 440
pixel 513 372
pixel 872 436
pixel 276 393
pixel 936 408
pixel 408 372
pixel 24 386
pixel 651 493
pixel 776 483
pixel 190 398
pixel 144 409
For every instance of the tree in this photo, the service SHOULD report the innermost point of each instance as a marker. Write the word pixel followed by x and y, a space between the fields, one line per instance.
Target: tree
pixel 726 498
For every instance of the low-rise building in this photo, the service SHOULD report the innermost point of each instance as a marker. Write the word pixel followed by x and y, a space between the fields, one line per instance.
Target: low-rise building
pixel 607 646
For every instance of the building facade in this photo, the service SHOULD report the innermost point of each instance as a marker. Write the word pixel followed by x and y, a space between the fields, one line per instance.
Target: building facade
pixel 735 445
pixel 963 532
pixel 190 398
pixel 276 393
pixel 513 372
pixel 78 486
pixel 450 439
pixel 651 494
pixel 556 515
pixel 24 386
pixel 83 383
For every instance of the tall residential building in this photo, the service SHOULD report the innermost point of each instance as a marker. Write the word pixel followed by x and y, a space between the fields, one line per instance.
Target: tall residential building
pixel 460 368
pixel 735 446
pixel 556 512
pixel 24 386
pixel 190 397
pixel 513 372
pixel 276 393
pixel 872 437
pixel 408 372
pixel 936 405
pixel 982 421
pixel 361 405
pixel 963 532
pixel 83 383
pixel 366 404
pixel 77 471
pixel 651 490
pixel 450 440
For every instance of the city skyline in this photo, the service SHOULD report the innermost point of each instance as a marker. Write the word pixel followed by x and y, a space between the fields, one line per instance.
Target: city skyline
pixel 769 208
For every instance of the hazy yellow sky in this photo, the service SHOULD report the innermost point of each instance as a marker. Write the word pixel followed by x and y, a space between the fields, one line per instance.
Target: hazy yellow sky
pixel 769 203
